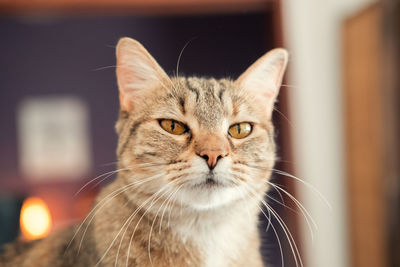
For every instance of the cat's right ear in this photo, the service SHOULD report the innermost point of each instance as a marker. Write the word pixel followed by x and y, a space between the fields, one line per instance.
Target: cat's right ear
pixel 137 72
pixel 263 79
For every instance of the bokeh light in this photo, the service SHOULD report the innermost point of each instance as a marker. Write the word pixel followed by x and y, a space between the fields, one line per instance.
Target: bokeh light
pixel 35 219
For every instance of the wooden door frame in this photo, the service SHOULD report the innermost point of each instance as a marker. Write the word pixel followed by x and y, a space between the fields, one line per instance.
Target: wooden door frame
pixel 364 100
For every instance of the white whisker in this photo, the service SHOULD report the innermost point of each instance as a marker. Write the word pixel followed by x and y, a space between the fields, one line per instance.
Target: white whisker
pixel 131 217
pixel 316 191
pixel 127 225
pixel 302 209
pixel 137 224
pixel 289 237
pixel 107 175
pixel 166 207
pixel 105 67
pixel 268 217
pixel 155 217
pixel 104 201
pixel 180 55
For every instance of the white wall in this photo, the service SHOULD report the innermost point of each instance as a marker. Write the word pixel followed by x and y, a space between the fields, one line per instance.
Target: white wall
pixel 313 35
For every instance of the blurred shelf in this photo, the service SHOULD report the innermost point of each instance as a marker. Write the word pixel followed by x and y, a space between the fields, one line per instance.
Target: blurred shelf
pixel 133 7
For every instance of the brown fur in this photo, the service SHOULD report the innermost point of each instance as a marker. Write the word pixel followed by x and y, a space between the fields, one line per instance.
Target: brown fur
pixel 160 211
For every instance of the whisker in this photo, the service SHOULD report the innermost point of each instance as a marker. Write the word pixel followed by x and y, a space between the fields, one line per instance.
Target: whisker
pixel 127 225
pixel 170 209
pixel 235 174
pixel 107 175
pixel 280 195
pixel 151 229
pixel 131 217
pixel 296 201
pixel 287 232
pixel 166 207
pixel 125 189
pixel 280 203
pixel 109 163
pixel 137 224
pixel 289 86
pixel 122 237
pixel 292 243
pixel 180 55
pixel 105 67
pixel 268 217
pixel 283 116
pixel 257 167
pixel 110 173
pixel 315 190
pixel 155 217
pixel 137 166
pixel 101 204
pixel 302 209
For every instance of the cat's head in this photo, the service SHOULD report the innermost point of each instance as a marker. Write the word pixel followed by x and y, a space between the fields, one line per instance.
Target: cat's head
pixel 209 142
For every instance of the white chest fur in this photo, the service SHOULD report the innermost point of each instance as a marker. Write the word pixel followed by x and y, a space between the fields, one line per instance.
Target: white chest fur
pixel 221 238
pixel 221 246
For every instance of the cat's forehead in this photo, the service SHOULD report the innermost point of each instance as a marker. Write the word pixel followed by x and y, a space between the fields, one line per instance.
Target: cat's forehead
pixel 207 99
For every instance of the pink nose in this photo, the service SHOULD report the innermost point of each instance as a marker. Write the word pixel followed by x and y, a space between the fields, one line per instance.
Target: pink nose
pixel 212 157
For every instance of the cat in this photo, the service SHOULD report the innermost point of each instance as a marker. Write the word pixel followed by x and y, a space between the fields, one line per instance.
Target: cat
pixel 194 159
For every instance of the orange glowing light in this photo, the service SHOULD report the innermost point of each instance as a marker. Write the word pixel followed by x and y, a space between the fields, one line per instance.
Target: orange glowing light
pixel 35 219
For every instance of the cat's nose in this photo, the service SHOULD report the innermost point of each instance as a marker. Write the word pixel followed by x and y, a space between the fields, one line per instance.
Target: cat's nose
pixel 212 156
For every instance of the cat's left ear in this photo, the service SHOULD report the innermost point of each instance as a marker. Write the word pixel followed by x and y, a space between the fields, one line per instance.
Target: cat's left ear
pixel 264 77
pixel 137 73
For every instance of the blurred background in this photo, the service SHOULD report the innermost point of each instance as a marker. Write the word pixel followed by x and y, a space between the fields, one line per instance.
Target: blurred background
pixel 337 120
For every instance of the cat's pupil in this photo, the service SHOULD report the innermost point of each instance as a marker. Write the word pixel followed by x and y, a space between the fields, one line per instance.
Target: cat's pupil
pixel 238 128
pixel 172 125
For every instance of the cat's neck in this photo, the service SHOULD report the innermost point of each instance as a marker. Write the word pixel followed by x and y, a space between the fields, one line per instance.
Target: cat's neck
pixel 221 233
pixel 218 235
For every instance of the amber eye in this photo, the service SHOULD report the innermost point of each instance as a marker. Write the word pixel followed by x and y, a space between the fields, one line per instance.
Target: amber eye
pixel 173 127
pixel 240 130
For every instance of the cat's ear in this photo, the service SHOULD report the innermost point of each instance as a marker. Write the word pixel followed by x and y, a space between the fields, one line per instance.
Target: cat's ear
pixel 137 72
pixel 264 77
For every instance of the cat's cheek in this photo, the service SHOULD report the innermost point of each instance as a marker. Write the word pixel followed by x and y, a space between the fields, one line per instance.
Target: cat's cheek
pixel 127 160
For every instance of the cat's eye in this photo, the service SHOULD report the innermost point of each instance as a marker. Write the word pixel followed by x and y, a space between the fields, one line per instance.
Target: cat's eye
pixel 240 130
pixel 173 127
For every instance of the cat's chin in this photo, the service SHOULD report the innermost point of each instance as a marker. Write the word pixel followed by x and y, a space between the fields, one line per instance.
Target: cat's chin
pixel 208 195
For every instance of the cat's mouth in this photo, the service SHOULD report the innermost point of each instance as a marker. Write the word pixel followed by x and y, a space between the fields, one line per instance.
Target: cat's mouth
pixel 209 182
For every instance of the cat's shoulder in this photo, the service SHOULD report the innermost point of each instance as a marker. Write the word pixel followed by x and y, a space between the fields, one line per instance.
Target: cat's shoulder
pixel 54 250
pixel 10 252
